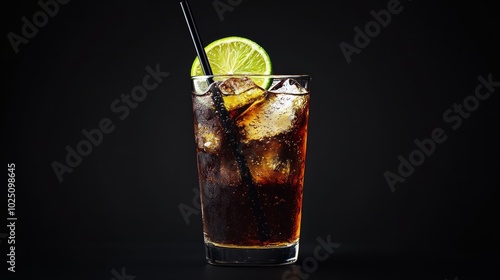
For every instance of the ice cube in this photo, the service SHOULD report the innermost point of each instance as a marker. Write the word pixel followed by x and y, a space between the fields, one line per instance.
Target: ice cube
pixel 208 140
pixel 229 174
pixel 288 86
pixel 269 161
pixel 218 171
pixel 276 114
pixel 236 86
pixel 240 92
pixel 208 131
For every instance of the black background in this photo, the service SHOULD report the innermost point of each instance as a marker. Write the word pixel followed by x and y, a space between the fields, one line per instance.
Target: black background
pixel 119 207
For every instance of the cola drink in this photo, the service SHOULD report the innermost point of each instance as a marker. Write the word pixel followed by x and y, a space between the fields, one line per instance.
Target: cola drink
pixel 270 127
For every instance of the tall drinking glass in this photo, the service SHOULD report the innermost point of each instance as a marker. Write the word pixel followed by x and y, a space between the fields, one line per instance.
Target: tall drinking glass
pixel 251 161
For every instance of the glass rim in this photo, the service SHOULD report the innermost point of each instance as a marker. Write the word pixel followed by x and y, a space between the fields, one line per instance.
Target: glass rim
pixel 272 76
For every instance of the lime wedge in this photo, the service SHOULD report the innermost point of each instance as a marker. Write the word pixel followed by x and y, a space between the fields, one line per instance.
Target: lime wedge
pixel 236 55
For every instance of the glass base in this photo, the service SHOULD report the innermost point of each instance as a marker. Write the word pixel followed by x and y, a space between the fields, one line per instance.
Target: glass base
pixel 265 256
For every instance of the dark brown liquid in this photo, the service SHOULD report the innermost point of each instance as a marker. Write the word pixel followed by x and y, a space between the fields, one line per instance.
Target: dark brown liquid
pixel 276 164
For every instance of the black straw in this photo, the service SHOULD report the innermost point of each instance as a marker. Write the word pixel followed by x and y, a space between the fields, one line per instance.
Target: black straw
pixel 200 51
pixel 228 125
